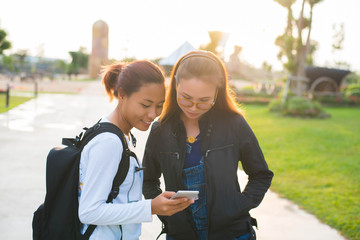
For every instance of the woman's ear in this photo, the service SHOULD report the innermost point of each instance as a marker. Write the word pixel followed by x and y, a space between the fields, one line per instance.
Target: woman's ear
pixel 120 94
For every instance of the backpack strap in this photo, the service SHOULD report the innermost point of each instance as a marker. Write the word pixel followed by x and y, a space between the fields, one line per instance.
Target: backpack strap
pixel 124 164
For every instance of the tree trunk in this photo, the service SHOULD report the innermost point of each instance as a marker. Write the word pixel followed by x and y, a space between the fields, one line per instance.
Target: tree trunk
pixel 288 33
pixel 303 84
pixel 289 23
pixel 307 48
pixel 300 83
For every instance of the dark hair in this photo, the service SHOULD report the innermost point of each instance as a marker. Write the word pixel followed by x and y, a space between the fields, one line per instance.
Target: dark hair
pixel 206 66
pixel 129 78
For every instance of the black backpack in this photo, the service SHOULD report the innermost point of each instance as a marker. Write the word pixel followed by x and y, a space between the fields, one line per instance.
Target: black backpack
pixel 57 218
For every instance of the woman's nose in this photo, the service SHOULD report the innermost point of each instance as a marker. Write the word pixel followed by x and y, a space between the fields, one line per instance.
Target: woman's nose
pixel 193 107
pixel 152 113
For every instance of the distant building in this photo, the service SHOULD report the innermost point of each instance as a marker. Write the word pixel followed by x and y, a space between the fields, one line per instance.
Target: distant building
pixel 175 56
pixel 168 62
pixel 100 46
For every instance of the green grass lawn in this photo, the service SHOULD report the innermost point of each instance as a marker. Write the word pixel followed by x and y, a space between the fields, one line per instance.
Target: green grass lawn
pixel 316 162
pixel 14 101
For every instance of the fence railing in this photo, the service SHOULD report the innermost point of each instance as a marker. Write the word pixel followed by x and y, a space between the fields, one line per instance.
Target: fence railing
pixel 6 91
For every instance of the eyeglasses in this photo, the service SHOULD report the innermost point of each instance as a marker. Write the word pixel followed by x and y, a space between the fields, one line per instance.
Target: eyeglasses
pixel 200 105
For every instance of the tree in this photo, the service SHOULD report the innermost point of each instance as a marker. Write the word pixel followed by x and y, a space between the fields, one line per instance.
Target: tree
pixel 286 41
pixel 295 53
pixel 338 41
pixel 8 63
pixel 60 66
pixel 79 62
pixel 4 44
pixel 338 37
pixel 304 49
pixel 20 57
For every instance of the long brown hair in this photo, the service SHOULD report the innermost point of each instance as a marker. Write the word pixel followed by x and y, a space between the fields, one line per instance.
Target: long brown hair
pixel 129 78
pixel 208 67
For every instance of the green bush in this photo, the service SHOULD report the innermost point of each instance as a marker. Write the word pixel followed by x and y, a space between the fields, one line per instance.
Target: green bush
pixel 248 88
pixel 275 105
pixel 336 100
pixel 297 106
pixel 250 91
pixel 349 96
pixel 352 93
pixel 246 91
pixel 353 90
pixel 352 78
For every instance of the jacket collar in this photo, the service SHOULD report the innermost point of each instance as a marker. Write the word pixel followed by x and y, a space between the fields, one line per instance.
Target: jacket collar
pixel 177 125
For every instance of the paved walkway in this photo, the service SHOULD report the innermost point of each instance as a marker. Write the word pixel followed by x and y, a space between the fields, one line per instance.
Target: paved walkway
pixel 29 131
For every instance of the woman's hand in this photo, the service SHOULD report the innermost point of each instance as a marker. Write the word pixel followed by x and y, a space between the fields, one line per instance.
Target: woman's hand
pixel 163 205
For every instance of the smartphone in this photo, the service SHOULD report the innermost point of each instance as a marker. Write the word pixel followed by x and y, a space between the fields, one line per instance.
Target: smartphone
pixel 186 194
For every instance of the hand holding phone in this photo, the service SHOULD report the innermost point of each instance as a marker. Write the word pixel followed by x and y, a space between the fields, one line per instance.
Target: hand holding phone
pixel 186 194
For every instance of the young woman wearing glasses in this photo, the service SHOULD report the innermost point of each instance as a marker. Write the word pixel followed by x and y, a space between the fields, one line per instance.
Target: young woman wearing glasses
pixel 197 144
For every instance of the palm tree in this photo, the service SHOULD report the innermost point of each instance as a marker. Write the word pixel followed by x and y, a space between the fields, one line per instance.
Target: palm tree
pixel 303 50
pixel 292 47
pixel 312 3
pixel 288 4
pixel 286 41
pixel 286 44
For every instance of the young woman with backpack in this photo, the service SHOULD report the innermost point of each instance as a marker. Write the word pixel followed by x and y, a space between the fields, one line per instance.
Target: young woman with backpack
pixel 139 89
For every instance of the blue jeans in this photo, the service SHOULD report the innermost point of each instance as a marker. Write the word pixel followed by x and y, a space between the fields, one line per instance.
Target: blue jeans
pixel 194 179
pixel 243 237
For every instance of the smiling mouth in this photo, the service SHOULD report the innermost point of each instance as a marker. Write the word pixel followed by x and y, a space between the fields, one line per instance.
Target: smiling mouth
pixel 147 122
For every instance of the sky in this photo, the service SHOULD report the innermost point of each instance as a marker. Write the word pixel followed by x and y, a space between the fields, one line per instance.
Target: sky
pixel 149 29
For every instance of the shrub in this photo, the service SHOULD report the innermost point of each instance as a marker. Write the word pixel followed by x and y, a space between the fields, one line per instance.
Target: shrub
pixel 331 99
pixel 353 90
pixel 352 93
pixel 352 78
pixel 248 88
pixel 248 95
pixel 298 106
pixel 275 105
pixel 246 91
